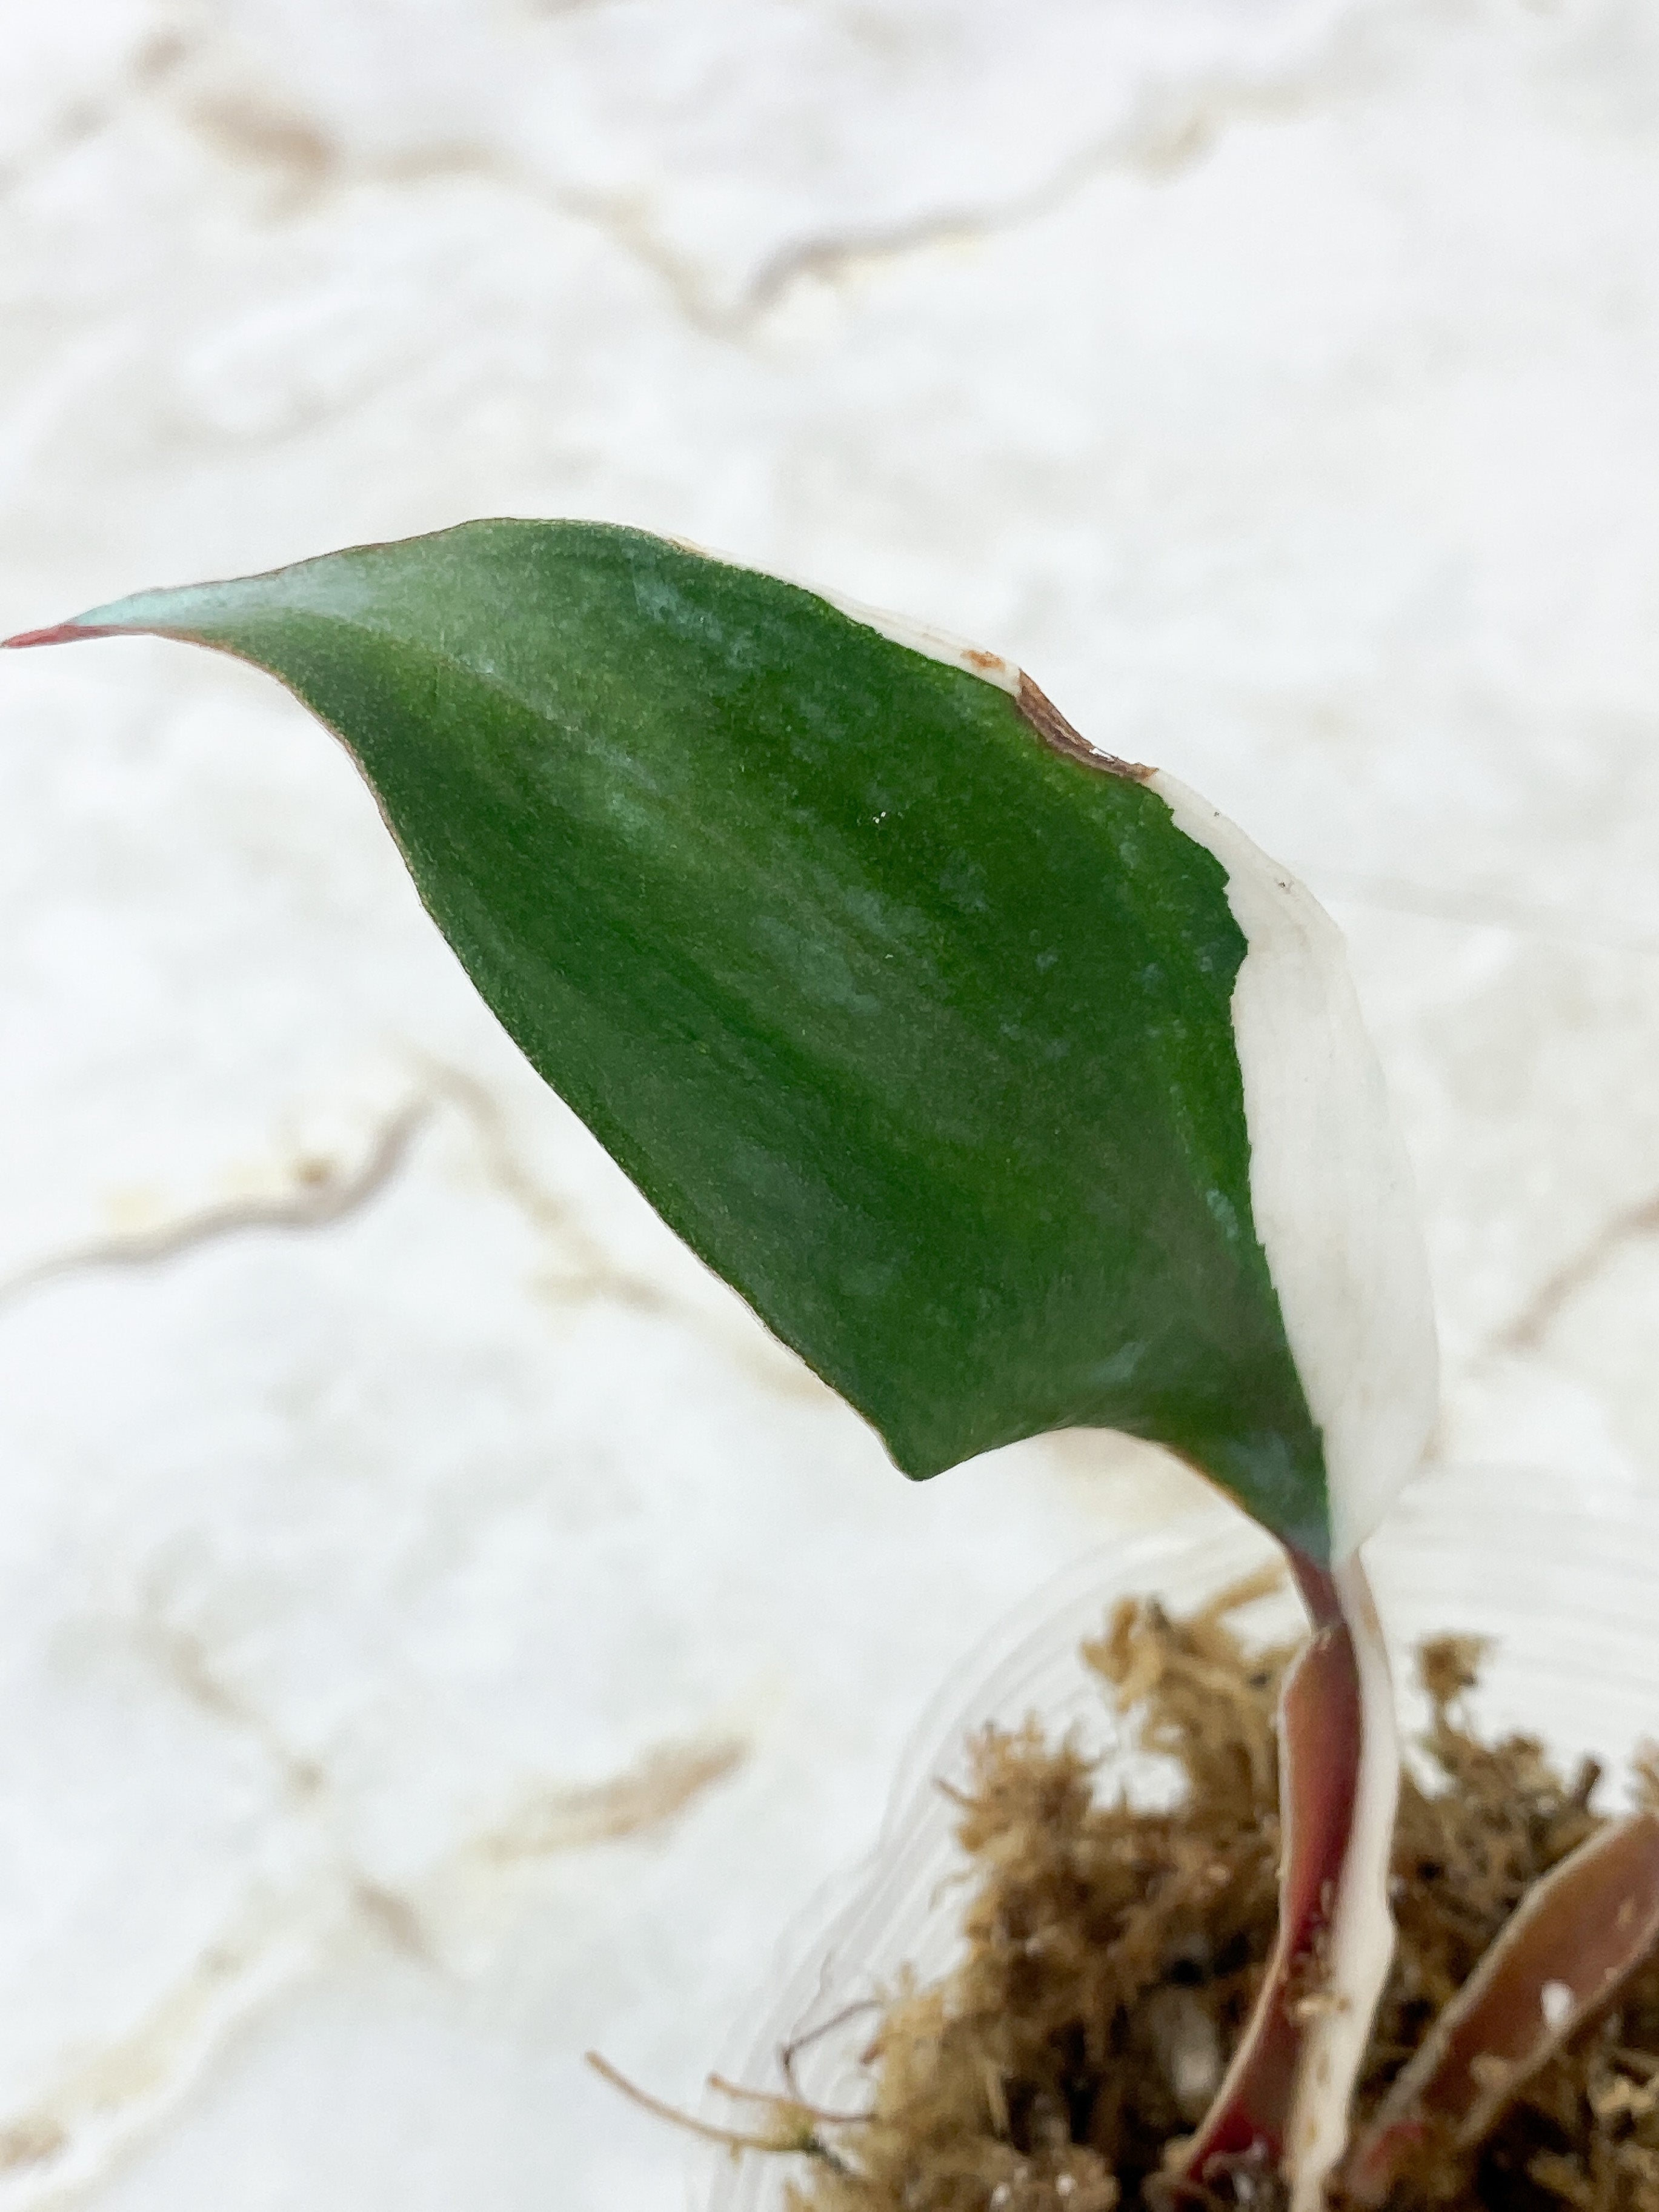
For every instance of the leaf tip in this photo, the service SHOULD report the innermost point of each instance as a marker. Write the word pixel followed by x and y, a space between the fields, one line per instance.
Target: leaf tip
pixel 63 633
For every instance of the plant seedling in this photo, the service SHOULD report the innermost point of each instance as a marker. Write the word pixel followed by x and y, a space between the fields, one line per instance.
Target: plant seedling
pixel 1011 1084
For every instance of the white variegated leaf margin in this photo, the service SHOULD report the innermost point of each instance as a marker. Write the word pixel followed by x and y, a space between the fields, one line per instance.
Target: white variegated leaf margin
pixel 933 644
pixel 1331 1188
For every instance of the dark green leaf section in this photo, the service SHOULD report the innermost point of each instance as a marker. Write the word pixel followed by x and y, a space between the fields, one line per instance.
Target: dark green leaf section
pixel 915 1028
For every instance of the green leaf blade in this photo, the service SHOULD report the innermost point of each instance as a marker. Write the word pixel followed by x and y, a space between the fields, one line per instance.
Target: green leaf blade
pixel 915 1026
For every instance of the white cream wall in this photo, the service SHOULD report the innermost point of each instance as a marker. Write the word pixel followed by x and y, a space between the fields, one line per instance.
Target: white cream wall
pixel 447 1635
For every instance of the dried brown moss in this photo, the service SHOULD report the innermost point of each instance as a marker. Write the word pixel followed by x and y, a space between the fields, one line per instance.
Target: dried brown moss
pixel 1584 2133
pixel 1113 1954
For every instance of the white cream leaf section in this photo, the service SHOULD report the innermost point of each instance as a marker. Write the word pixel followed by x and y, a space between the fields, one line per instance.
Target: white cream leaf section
pixel 1331 1188
pixel 936 644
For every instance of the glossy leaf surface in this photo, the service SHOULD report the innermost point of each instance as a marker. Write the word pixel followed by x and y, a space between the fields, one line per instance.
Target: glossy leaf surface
pixel 909 1016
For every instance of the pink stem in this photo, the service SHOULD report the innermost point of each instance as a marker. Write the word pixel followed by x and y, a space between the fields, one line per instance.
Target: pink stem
pixel 1320 1734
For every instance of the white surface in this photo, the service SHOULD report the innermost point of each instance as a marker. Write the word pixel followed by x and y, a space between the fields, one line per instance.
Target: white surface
pixel 1279 384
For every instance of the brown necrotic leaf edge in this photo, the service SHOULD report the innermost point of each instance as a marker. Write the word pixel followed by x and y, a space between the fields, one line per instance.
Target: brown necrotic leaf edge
pixel 1039 710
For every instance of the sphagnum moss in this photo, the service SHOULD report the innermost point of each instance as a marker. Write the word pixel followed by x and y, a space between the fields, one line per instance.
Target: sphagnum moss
pixel 1113 1954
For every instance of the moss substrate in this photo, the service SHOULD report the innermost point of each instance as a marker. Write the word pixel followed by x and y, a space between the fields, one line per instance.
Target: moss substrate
pixel 1113 1954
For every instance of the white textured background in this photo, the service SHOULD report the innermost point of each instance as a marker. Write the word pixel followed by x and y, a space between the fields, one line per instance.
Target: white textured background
pixel 438 1631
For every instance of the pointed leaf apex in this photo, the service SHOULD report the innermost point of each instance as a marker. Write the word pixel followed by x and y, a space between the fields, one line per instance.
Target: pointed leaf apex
pixel 65 633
